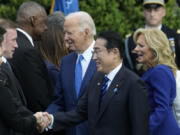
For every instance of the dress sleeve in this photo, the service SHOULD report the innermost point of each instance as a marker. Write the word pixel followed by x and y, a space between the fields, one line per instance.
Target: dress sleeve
pixel 58 102
pixel 161 83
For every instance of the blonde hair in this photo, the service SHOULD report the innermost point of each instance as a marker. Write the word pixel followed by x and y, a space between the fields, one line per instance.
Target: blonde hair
pixel 159 44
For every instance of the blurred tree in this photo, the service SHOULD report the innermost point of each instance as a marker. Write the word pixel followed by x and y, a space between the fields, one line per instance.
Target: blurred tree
pixel 172 15
pixel 123 16
pixel 8 8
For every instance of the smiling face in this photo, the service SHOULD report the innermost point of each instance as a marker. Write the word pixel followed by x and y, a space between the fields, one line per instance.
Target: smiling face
pixel 75 38
pixel 143 51
pixel 105 59
pixel 9 43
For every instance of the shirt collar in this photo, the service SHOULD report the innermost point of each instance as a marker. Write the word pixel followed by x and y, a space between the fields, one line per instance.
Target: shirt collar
pixel 4 59
pixel 159 27
pixel 113 73
pixel 87 54
pixel 27 35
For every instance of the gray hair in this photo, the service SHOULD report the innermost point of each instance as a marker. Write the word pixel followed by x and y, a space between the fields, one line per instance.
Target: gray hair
pixel 85 21
pixel 28 9
pixel 56 18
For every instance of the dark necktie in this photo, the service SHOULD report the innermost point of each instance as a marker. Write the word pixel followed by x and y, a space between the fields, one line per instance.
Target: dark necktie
pixel 78 75
pixel 9 66
pixel 104 89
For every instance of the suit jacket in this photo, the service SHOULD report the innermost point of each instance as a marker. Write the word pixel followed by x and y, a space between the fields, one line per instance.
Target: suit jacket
pixel 124 109
pixel 53 72
pixel 65 94
pixel 15 118
pixel 31 71
pixel 171 34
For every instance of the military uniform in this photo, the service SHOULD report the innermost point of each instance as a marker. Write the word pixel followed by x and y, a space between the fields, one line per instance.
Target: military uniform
pixel 130 58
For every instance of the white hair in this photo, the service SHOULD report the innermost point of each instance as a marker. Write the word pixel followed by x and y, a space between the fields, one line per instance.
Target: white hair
pixel 85 21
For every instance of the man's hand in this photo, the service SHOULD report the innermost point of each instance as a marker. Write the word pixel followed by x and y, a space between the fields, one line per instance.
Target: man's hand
pixel 43 120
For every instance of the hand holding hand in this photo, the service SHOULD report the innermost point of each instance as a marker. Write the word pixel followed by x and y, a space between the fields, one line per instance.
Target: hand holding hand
pixel 43 120
pixel 47 118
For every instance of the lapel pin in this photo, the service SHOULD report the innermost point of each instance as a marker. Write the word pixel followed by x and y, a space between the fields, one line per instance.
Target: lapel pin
pixel 116 89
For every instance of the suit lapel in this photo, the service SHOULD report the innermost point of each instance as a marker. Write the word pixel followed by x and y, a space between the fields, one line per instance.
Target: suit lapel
pixel 97 93
pixel 73 65
pixel 21 35
pixel 15 83
pixel 89 73
pixel 163 29
pixel 115 85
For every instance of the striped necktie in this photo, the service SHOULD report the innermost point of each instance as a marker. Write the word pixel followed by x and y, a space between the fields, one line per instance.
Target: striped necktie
pixel 104 88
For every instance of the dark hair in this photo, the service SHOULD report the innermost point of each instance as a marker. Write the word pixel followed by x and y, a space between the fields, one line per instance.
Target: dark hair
pixel 28 9
pixel 7 24
pixel 113 40
pixel 2 32
pixel 52 46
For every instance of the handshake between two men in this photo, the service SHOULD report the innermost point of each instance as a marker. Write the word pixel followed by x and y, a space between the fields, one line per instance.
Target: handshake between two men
pixel 44 121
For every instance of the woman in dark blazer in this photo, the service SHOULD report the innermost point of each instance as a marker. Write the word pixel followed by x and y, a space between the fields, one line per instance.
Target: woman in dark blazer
pixel 156 57
pixel 52 45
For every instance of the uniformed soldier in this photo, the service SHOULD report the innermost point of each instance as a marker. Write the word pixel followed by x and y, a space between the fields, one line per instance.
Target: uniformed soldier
pixel 154 12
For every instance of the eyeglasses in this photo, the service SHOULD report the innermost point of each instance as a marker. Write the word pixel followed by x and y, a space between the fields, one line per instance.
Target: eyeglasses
pixel 98 52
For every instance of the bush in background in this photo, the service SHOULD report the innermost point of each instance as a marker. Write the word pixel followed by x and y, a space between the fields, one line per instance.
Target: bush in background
pixel 123 16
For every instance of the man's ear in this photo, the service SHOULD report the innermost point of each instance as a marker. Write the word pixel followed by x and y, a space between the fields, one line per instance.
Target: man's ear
pixel 164 12
pixel 87 32
pixel 144 13
pixel 116 51
pixel 32 20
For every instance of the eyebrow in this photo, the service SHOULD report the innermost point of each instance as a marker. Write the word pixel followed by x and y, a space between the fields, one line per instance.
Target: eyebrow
pixel 139 44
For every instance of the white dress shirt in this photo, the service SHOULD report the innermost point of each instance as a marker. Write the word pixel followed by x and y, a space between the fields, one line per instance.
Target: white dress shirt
pixel 159 27
pixel 87 56
pixel 112 74
pixel 27 35
pixel 176 103
pixel 4 59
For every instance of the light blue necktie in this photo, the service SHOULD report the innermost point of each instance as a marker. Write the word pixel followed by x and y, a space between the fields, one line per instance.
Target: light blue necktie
pixel 78 75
